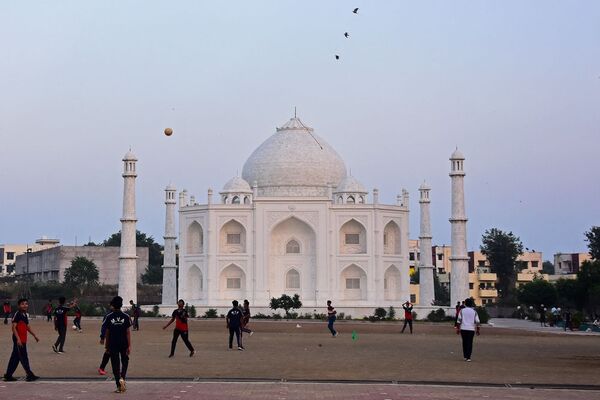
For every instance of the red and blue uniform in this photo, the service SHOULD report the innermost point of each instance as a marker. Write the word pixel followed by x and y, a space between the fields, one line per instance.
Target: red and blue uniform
pixel 19 353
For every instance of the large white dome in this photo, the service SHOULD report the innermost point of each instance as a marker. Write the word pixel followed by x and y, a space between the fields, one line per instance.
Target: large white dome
pixel 294 162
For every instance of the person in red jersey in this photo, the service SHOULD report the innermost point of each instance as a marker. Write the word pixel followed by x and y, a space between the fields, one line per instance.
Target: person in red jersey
pixel 180 316
pixel 6 311
pixel 20 328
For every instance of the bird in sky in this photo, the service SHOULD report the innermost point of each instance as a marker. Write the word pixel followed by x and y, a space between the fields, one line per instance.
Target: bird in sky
pixel 355 11
pixel 337 57
pixel 346 35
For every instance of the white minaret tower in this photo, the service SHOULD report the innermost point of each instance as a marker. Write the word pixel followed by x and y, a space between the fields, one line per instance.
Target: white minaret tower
pixel 426 291
pixel 459 260
pixel 169 284
pixel 127 256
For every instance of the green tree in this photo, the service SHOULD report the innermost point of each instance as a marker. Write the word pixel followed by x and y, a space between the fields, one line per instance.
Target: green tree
pixel 502 250
pixel 81 275
pixel 286 303
pixel 548 268
pixel 593 238
pixel 441 292
pixel 536 292
pixel 568 294
pixel 588 285
pixel 153 272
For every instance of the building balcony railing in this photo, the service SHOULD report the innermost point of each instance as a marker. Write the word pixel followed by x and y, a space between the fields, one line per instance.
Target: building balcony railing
pixel 488 293
pixel 487 276
pixel 525 277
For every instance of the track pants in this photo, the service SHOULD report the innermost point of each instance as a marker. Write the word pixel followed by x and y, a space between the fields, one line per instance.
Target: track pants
pixel 184 337
pixel 62 335
pixel 467 342
pixel 18 355
pixel 330 326
pixel 119 361
pixel 409 323
pixel 234 330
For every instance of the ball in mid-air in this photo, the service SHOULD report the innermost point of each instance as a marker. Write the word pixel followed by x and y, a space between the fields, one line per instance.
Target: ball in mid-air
pixel 168 131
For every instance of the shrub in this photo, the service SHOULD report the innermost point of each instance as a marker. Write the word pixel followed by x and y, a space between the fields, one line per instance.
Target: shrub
pixel 340 315
pixel 483 314
pixel 319 316
pixel 438 315
pixel 306 316
pixel 348 317
pixel 212 313
pixel 414 315
pixel 193 311
pixel 156 310
pixel 380 313
pixel 292 315
pixel 276 316
pixel 391 313
pixel 259 316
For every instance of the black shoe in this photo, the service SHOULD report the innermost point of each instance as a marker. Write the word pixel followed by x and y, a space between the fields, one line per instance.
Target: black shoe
pixel 192 353
pixel 32 378
pixel 9 378
pixel 171 355
pixel 54 348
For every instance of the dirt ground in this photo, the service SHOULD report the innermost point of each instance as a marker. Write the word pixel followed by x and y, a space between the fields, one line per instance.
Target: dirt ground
pixel 280 350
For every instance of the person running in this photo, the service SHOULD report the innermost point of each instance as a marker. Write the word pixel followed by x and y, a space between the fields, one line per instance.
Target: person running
pixel 135 313
pixel 77 319
pixel 106 354
pixel 60 324
pixel 468 327
pixel 331 317
pixel 48 309
pixel 246 318
pixel 408 317
pixel 180 316
pixel 20 327
pixel 118 342
pixel 234 323
pixel 6 310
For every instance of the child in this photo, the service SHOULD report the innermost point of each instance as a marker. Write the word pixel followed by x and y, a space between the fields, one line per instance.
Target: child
pixel 180 316
pixel 60 324
pixel 77 319
pixel 331 317
pixel 246 318
pixel 49 308
pixel 118 342
pixel 408 318
pixel 135 313
pixel 20 327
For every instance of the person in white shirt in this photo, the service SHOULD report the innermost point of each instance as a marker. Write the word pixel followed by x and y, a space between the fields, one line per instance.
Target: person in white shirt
pixel 467 327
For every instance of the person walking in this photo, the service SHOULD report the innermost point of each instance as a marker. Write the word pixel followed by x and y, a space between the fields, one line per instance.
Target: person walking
pixel 568 320
pixel 542 311
pixel 457 310
pixel 118 342
pixel 77 319
pixel 467 327
pixel 234 323
pixel 106 354
pixel 180 316
pixel 6 310
pixel 20 328
pixel 331 317
pixel 135 313
pixel 246 318
pixel 60 324
pixel 48 309
pixel 408 317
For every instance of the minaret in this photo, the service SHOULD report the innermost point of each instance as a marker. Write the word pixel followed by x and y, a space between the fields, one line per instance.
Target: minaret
pixel 459 260
pixel 169 284
pixel 127 256
pixel 426 291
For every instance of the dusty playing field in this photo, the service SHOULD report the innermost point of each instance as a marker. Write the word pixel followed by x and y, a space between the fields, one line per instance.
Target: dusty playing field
pixel 280 350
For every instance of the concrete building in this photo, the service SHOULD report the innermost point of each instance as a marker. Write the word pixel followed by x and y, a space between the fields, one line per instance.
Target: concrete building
pixel 9 253
pixel 569 263
pixel 295 222
pixel 50 264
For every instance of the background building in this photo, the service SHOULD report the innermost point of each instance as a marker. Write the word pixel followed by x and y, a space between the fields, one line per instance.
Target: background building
pixel 50 264
pixel 569 263
pixel 9 253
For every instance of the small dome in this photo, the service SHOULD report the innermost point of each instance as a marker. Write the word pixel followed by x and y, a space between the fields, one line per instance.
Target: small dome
pixel 424 186
pixel 457 155
pixel 350 185
pixel 171 187
pixel 236 185
pixel 129 156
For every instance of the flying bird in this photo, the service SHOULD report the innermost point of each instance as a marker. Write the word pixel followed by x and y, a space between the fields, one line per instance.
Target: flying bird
pixel 346 35
pixel 355 11
pixel 337 57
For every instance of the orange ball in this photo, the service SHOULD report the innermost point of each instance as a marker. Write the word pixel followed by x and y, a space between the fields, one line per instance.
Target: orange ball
pixel 168 131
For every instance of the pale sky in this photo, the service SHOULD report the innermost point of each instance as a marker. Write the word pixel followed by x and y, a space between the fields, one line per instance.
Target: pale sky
pixel 515 85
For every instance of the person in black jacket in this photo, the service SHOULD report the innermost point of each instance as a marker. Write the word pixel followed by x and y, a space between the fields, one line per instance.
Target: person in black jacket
pixel 234 324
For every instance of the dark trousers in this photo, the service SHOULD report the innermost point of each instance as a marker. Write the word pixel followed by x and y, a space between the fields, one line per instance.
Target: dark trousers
pixel 6 315
pixel 136 323
pixel 467 342
pixel 18 355
pixel 234 330
pixel 77 322
pixel 330 322
pixel 119 361
pixel 48 317
pixel 409 323
pixel 62 335
pixel 105 360
pixel 184 337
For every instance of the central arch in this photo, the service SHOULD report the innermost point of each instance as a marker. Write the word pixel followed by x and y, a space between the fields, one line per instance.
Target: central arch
pixel 232 283
pixel 292 247
pixel 195 285
pixel 391 283
pixel 353 283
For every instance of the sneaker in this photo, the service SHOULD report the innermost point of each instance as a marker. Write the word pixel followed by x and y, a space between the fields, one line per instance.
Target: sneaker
pixel 335 334
pixel 32 378
pixel 61 352
pixel 118 391
pixel 468 360
pixel 54 348
pixel 240 348
pixel 101 371
pixel 122 386
pixel 192 353
pixel 251 333
pixel 9 378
